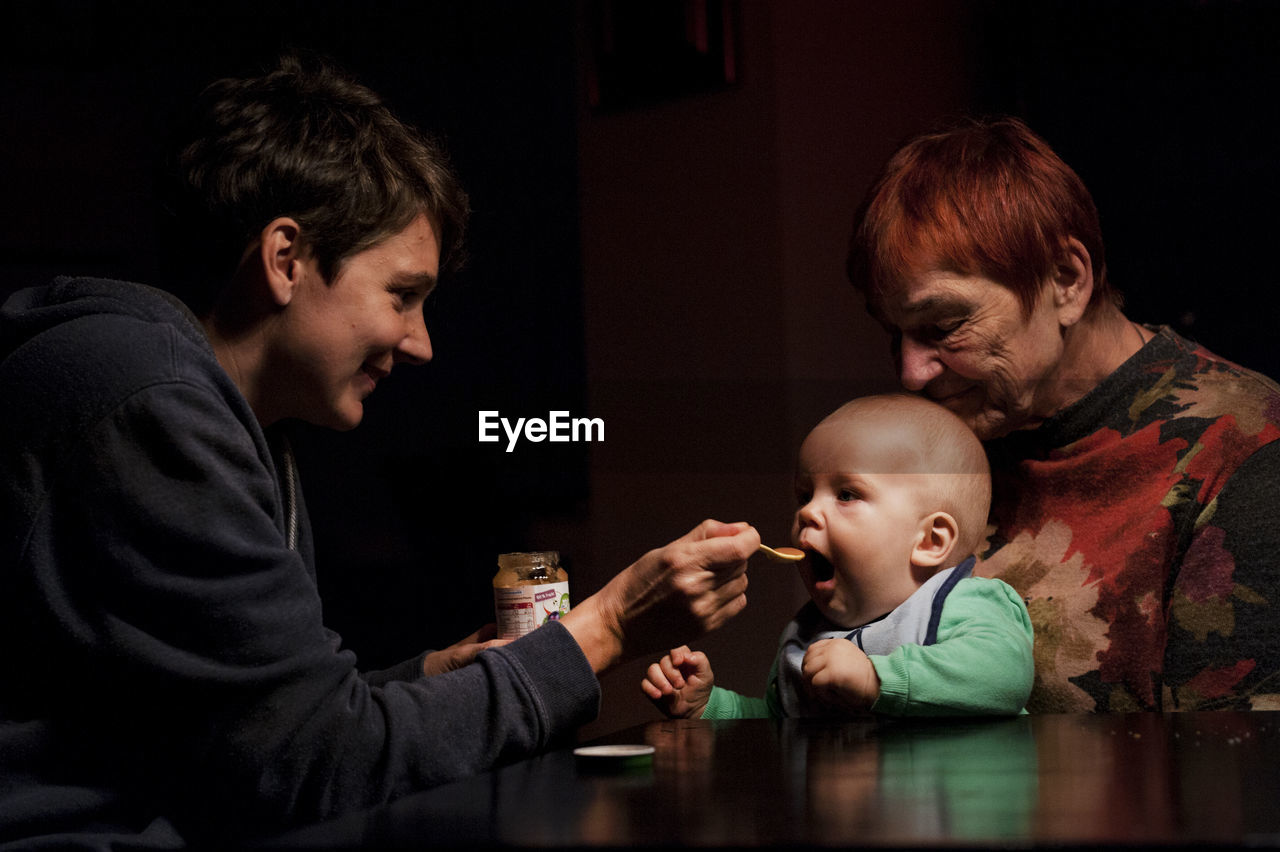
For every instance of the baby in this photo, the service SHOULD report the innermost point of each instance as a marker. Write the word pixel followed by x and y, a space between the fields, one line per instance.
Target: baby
pixel 892 496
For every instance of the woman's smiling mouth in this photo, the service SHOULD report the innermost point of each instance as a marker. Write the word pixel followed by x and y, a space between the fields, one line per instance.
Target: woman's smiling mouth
pixel 373 374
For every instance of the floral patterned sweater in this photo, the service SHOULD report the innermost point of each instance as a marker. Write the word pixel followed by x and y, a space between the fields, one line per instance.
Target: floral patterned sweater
pixel 1141 525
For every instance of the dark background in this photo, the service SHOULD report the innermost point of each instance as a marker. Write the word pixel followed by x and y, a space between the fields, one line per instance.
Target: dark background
pixel 90 93
pixel 1167 110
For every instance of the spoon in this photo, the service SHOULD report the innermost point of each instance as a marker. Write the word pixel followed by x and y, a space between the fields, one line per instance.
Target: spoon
pixel 783 554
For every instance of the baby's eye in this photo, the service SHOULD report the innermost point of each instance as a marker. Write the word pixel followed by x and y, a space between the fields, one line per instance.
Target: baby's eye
pixel 847 495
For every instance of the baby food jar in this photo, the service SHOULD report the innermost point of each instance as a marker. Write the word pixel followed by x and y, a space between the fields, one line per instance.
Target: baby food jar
pixel 529 590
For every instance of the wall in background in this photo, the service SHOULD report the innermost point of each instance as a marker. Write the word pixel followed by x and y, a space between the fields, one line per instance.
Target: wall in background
pixel 719 325
pixel 1165 108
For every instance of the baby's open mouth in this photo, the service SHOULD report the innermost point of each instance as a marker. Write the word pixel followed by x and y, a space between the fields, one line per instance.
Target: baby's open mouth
pixel 820 566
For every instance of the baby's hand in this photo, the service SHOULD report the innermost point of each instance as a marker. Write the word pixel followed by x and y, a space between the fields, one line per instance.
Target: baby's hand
pixel 680 683
pixel 840 675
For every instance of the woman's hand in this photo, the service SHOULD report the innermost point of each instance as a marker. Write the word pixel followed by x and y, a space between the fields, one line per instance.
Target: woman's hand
pixel 693 585
pixel 462 652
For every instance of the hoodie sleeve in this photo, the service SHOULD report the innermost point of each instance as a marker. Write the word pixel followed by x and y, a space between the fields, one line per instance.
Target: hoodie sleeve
pixel 197 633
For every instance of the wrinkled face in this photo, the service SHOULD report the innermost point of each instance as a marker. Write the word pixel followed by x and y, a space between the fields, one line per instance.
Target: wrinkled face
pixel 857 519
pixel 343 336
pixel 965 342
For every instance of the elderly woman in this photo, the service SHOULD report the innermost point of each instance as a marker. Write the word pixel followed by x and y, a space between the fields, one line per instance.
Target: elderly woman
pixel 1137 475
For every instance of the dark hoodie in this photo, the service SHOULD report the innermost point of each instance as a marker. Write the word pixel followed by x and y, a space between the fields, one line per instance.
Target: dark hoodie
pixel 164 670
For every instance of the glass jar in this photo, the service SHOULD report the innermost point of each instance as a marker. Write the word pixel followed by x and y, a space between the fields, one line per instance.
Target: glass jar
pixel 529 590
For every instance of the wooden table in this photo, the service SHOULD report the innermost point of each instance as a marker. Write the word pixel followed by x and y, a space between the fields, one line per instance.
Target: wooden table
pixel 1190 779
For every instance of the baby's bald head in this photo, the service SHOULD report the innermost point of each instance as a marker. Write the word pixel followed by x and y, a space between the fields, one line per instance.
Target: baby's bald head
pixel 907 434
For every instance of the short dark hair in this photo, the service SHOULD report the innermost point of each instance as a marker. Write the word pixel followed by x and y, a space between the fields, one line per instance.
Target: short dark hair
pixel 305 141
pixel 986 197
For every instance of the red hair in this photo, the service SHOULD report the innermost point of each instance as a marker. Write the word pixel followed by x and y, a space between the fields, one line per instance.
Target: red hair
pixel 987 198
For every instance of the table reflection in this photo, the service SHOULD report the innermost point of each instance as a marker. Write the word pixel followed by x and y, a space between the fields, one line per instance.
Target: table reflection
pixel 1084 780
pixel 966 781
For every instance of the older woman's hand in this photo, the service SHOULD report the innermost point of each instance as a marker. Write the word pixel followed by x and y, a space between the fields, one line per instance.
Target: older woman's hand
pixel 693 585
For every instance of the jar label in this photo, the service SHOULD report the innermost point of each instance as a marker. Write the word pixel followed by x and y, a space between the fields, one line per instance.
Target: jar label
pixel 520 609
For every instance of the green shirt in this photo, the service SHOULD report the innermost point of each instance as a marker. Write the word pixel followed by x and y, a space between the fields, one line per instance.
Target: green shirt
pixel 980 664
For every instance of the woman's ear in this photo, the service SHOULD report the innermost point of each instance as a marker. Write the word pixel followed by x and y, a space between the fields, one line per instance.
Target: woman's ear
pixel 935 541
pixel 1072 282
pixel 280 254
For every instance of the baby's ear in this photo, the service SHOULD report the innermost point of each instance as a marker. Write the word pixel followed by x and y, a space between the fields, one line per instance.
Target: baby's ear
pixel 935 540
